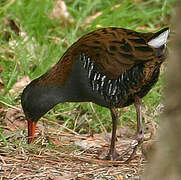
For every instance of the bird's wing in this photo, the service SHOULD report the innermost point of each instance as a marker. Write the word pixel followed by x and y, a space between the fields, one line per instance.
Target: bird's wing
pixel 115 50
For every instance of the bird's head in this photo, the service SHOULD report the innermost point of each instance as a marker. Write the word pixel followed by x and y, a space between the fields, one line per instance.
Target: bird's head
pixel 37 100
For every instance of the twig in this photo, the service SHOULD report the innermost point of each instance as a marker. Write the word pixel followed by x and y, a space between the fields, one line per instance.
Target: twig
pixel 95 170
pixel 17 176
pixel 103 128
pixel 75 123
pixel 9 105
pixel 73 132
pixel 9 4
pixel 81 159
pixel 2 160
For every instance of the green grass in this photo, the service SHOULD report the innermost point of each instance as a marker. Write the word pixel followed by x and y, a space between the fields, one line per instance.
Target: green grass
pixel 47 40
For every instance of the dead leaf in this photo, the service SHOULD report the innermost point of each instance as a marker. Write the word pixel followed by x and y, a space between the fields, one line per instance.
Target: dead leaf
pixel 120 177
pixel 91 142
pixel 84 144
pixel 125 131
pixel 91 18
pixel 12 118
pixel 65 176
pixel 1 69
pixel 19 86
pixel 60 12
pixel 56 142
pixel 1 81
pixel 141 28
pixel 14 27
pixel 116 6
pixel 2 111
pixel 97 14
pixel 139 1
pixel 11 25
pixel 150 130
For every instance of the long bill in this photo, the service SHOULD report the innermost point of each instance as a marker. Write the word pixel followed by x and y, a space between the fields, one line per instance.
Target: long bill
pixel 31 130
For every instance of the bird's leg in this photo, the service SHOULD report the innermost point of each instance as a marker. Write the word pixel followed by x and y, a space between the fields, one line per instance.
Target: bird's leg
pixel 139 137
pixel 140 132
pixel 113 154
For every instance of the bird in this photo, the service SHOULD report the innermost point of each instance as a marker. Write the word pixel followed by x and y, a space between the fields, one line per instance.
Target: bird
pixel 112 67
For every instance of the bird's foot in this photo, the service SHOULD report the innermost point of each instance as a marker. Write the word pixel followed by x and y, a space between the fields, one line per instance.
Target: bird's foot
pixel 138 139
pixel 115 156
pixel 132 147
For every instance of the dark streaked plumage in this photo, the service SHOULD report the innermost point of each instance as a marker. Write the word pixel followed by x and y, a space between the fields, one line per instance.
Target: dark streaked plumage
pixel 112 67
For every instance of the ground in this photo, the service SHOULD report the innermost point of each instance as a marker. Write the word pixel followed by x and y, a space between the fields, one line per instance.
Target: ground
pixel 72 138
pixel 60 153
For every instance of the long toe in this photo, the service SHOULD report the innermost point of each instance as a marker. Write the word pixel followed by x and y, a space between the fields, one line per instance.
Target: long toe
pixel 132 148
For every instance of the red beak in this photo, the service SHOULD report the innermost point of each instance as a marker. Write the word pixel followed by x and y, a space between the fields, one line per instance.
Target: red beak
pixel 31 130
